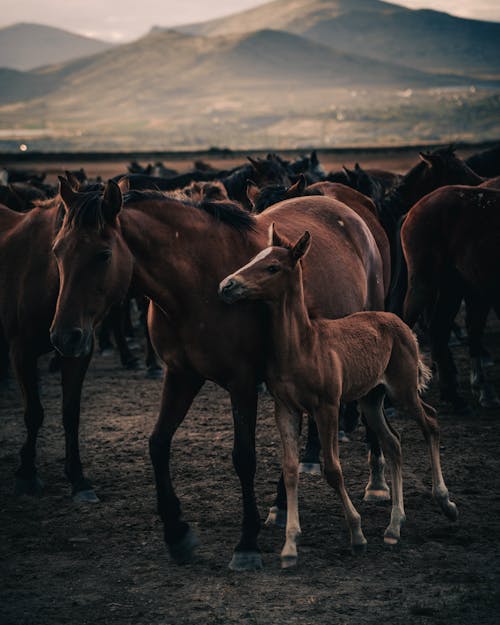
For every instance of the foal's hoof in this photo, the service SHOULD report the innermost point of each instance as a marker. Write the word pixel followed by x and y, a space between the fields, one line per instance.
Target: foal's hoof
pixel 32 486
pixel 182 552
pixel 246 561
pixel 288 562
pixel 377 496
pixel 85 496
pixel 312 468
pixel 449 509
pixel 358 549
pixel 276 517
pixel 154 373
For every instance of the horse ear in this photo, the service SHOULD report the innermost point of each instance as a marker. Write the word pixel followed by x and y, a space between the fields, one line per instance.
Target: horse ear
pixel 300 249
pixel 252 192
pixel 66 191
pixel 357 167
pixel 426 158
pixel 314 158
pixel 297 189
pixel 124 184
pixel 275 240
pixel 256 164
pixel 112 201
pixel 349 173
pixel 73 181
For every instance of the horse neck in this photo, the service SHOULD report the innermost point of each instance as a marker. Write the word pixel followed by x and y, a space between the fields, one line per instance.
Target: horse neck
pixel 174 247
pixel 292 330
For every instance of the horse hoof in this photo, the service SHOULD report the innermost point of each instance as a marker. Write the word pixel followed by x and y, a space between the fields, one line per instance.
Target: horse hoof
pixel 32 486
pixel 288 562
pixel 343 438
pixel 311 468
pixel 85 496
pixel 154 373
pixel 276 517
pixel 182 552
pixel 246 561
pixel 450 510
pixel 490 401
pixel 377 496
pixel 358 549
pixel 107 352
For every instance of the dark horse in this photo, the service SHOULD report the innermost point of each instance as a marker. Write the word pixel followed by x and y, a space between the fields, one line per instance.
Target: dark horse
pixel 451 242
pixel 29 285
pixel 101 248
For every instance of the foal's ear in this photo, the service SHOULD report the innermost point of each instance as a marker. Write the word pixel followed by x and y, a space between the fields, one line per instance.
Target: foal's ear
pixel 66 191
pixel 252 192
pixel 426 158
pixel 124 184
pixel 300 249
pixel 112 201
pixel 275 240
pixel 298 188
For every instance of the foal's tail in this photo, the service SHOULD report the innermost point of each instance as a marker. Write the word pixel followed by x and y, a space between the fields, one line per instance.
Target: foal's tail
pixel 424 375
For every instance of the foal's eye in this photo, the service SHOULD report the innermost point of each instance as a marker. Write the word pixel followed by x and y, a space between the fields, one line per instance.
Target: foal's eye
pixel 272 268
pixel 103 256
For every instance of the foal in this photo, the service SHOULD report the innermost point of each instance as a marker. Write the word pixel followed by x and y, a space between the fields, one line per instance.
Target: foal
pixel 316 363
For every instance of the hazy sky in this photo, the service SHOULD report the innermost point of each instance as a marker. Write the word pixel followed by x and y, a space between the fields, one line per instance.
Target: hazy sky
pixel 120 20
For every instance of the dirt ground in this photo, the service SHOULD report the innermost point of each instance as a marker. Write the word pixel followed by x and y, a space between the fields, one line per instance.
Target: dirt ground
pixel 62 562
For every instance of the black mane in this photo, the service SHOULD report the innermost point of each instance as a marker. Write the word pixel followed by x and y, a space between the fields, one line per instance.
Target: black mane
pixel 224 211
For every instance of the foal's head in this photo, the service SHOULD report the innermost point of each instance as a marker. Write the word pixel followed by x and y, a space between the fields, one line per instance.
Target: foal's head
pixel 95 265
pixel 269 273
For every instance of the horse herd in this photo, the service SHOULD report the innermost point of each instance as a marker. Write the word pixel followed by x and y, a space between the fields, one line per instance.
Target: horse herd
pixel 365 240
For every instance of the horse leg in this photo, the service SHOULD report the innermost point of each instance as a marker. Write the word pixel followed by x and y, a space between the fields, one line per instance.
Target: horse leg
pixel 73 372
pixel 246 555
pixel 425 416
pixel 24 363
pixel 179 390
pixel 377 488
pixel 373 409
pixel 327 419
pixel 309 463
pixel 104 335
pixel 447 305
pixel 289 428
pixel 476 315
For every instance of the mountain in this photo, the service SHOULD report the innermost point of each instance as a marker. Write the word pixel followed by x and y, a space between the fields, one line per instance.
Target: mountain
pixel 26 46
pixel 422 39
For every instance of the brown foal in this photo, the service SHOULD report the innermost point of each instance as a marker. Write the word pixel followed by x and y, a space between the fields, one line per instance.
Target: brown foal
pixel 316 363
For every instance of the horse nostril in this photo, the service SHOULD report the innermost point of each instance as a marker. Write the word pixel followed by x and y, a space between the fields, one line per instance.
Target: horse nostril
pixel 229 284
pixel 75 335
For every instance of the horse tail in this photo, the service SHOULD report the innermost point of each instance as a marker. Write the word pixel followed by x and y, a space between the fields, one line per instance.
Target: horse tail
pixel 424 375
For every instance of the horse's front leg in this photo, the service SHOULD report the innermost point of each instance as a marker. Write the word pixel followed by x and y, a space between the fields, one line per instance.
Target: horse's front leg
pixel 73 372
pixel 246 555
pixel 476 315
pixel 179 390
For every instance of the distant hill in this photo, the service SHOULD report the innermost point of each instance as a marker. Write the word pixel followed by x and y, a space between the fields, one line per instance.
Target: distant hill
pixel 26 46
pixel 427 40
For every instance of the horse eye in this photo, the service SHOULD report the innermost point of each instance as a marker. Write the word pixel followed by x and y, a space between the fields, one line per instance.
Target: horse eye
pixel 103 256
pixel 272 268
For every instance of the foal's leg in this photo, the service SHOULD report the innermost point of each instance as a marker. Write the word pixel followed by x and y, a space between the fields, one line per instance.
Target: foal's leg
pixel 289 428
pixel 476 315
pixel 373 408
pixel 327 419
pixel 246 555
pixel 73 371
pixel 24 363
pixel 377 488
pixel 179 390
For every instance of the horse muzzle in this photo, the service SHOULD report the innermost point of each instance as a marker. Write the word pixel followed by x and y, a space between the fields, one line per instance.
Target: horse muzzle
pixel 231 290
pixel 73 342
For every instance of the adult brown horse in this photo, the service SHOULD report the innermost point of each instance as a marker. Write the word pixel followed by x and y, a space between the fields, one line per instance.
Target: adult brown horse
pixel 29 284
pixel 177 253
pixel 451 243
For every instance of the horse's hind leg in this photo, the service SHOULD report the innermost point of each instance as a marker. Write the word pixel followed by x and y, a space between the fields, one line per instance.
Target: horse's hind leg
pixel 372 406
pixel 327 420
pixel 309 463
pixel 289 428
pixel 73 371
pixel 24 363
pixel 476 315
pixel 377 488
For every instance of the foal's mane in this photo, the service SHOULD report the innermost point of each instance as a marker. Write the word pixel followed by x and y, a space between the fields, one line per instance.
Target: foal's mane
pixel 224 211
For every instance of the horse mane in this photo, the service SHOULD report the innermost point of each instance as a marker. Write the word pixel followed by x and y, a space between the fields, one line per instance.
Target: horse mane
pixel 224 211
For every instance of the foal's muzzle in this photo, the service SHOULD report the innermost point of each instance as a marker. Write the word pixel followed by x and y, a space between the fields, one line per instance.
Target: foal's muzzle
pixel 72 342
pixel 230 290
